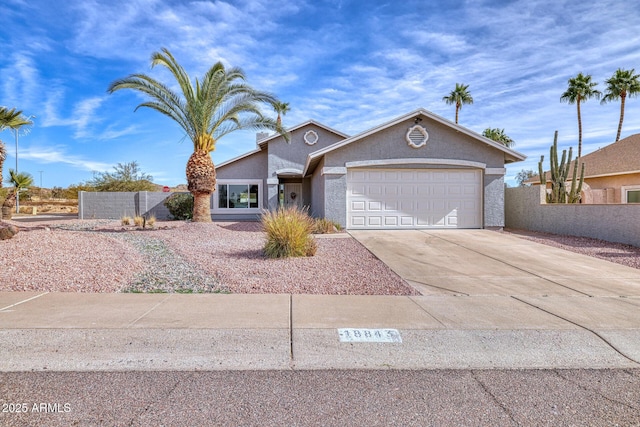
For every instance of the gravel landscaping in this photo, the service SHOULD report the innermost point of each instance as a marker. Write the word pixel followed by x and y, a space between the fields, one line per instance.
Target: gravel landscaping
pixel 175 256
pixel 615 252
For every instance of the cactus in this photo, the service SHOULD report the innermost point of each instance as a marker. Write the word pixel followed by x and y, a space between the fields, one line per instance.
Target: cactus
pixel 559 173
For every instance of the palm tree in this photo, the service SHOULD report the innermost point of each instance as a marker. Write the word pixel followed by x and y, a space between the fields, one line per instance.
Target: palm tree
pixel 281 108
pixel 217 105
pixel 498 135
pixel 20 181
pixel 580 89
pixel 623 83
pixel 459 96
pixel 10 119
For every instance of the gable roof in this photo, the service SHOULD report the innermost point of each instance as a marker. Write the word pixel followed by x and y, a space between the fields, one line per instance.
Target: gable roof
pixel 314 158
pixel 619 158
pixel 263 142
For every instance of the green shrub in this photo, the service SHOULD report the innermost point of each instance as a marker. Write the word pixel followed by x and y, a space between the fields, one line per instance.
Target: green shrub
pixel 288 233
pixel 180 205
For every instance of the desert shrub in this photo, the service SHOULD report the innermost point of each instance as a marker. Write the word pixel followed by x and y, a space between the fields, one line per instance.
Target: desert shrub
pixel 151 221
pixel 138 221
pixel 288 233
pixel 180 205
pixel 325 226
pixel 125 220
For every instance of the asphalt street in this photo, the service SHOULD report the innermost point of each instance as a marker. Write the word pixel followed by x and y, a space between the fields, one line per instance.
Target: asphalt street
pixel 323 398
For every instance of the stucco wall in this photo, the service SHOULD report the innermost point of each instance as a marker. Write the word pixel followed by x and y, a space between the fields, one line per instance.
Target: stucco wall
pixel 614 223
pixel 493 201
pixel 107 205
pixel 335 200
pixel 317 192
pixel 613 184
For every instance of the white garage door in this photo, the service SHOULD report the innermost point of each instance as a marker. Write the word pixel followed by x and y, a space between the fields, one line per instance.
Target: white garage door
pixel 414 198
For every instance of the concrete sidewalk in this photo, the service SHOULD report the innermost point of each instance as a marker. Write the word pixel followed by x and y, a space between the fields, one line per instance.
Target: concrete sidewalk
pixel 115 332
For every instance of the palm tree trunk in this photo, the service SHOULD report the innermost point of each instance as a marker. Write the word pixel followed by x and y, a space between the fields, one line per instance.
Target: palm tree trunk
pixel 201 207
pixel 457 109
pixel 201 182
pixel 579 130
pixel 622 97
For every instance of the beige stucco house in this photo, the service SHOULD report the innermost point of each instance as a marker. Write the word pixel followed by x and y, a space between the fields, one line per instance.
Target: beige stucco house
pixel 612 173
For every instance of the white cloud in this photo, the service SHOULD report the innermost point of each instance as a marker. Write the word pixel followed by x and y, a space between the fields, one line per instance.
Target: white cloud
pixel 51 154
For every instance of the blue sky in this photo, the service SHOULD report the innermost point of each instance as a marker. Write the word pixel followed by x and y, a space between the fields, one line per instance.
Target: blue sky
pixel 350 64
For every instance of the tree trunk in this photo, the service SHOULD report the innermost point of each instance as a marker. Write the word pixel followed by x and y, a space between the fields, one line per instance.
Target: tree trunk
pixel 457 109
pixel 201 182
pixel 201 207
pixel 622 96
pixel 579 130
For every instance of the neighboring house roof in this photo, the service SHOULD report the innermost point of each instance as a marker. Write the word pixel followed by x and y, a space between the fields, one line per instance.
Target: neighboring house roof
pixel 263 142
pixel 314 158
pixel 619 158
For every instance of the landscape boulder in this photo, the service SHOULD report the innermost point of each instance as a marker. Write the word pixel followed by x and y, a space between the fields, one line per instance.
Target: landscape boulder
pixel 7 231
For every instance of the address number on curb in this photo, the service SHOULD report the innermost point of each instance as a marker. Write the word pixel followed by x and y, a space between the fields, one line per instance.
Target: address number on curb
pixel 369 335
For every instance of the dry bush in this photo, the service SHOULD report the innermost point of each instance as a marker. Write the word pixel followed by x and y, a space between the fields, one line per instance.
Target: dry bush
pixel 138 221
pixel 288 233
pixel 125 220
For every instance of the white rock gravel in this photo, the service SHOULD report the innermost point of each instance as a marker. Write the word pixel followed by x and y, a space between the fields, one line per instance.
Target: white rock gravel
pixel 103 256
pixel 615 252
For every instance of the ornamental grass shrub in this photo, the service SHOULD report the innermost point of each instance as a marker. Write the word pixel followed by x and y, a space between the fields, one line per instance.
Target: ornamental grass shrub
pixel 288 233
pixel 325 226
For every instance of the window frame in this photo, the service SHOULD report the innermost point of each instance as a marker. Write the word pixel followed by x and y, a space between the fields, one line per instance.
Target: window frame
pixel 248 183
pixel 624 192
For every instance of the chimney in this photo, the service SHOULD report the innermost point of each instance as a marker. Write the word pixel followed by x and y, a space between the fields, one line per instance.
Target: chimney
pixel 260 136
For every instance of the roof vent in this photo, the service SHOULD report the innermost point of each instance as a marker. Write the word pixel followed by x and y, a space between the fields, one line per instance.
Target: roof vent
pixel 417 136
pixel 311 137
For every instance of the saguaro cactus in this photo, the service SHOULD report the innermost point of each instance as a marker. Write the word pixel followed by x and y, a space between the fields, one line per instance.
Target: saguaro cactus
pixel 559 173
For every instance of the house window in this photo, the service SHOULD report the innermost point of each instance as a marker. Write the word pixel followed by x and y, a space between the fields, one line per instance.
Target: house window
pixel 239 194
pixel 631 194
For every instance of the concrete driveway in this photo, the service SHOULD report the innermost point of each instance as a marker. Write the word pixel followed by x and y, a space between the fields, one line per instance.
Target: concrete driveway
pixel 483 262
pixel 486 283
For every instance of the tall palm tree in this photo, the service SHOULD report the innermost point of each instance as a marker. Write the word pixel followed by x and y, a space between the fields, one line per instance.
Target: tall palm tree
pixel 459 96
pixel 498 135
pixel 282 108
pixel 218 104
pixel 10 119
pixel 580 89
pixel 623 83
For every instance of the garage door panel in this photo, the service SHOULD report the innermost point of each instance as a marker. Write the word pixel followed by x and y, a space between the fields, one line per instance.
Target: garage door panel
pixel 414 198
pixel 375 206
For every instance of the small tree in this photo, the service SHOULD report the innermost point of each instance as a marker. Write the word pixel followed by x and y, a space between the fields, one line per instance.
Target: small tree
pixel 524 175
pixel 126 177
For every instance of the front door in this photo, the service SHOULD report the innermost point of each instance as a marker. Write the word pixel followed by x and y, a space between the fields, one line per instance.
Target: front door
pixel 293 194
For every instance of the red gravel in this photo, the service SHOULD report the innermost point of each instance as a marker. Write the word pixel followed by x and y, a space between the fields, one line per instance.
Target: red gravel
pixel 615 252
pixel 233 253
pixel 43 258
